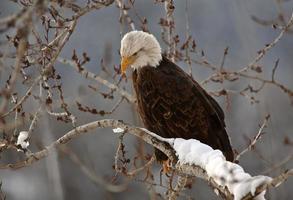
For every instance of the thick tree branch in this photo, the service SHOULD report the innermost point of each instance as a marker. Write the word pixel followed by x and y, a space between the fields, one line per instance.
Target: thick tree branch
pixel 165 145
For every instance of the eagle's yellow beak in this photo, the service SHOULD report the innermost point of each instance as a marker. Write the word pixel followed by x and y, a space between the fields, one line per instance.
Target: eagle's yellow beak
pixel 125 62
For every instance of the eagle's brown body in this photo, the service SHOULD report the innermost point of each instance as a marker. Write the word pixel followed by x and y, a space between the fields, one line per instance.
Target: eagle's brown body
pixel 173 105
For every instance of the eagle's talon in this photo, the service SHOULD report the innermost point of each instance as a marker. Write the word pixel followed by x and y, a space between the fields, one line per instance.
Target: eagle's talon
pixel 167 167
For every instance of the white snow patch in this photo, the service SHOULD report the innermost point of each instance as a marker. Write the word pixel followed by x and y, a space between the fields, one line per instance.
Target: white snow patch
pixel 22 139
pixel 118 130
pixel 225 173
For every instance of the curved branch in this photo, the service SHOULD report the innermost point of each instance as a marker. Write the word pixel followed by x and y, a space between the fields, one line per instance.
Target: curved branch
pixel 151 139
pixel 171 148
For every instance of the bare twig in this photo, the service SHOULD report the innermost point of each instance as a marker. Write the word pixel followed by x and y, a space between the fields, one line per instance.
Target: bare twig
pixel 279 164
pixel 124 13
pixel 91 75
pixel 34 121
pixel 224 58
pixel 147 165
pixel 10 20
pixel 181 182
pixel 269 46
pixel 90 173
pixel 17 65
pixel 188 37
pixel 120 148
pixel 22 99
pixel 255 139
pixel 169 9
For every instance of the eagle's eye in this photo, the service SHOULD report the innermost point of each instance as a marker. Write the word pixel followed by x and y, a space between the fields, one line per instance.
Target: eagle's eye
pixel 135 54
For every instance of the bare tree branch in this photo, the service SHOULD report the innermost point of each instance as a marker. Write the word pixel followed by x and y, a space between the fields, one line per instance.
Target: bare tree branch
pixel 148 137
pixel 91 75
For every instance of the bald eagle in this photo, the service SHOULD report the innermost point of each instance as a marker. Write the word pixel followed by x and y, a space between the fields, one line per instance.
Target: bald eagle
pixel 170 103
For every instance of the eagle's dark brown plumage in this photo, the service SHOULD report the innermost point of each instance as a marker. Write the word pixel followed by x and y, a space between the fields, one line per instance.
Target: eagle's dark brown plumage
pixel 173 105
pixel 170 103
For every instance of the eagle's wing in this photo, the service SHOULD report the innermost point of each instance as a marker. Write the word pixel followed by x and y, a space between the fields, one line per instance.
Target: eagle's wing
pixel 172 104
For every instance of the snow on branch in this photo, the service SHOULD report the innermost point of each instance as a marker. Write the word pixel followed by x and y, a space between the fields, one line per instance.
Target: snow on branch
pixel 224 173
pixel 22 139
pixel 188 158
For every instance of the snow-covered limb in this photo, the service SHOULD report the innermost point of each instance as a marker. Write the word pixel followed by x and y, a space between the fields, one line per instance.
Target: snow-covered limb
pixel 118 130
pixel 224 173
pixel 189 157
pixel 22 139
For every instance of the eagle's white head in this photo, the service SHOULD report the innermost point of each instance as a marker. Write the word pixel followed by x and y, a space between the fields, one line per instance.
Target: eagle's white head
pixel 139 49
